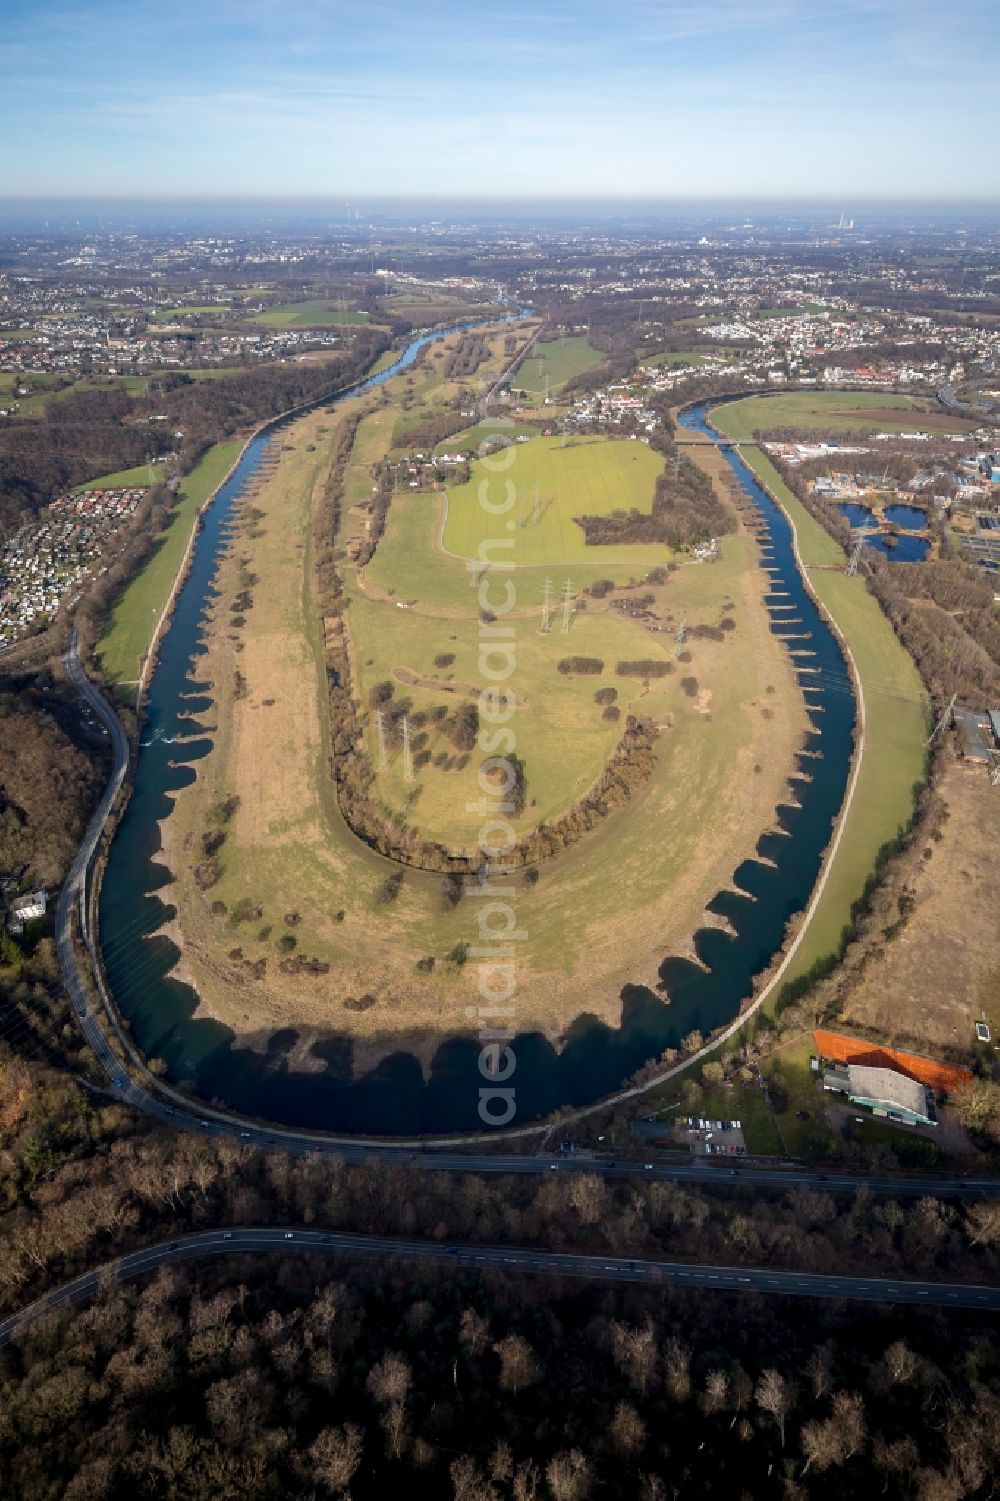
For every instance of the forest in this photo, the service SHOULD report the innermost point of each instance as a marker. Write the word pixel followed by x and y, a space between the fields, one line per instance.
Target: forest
pixel 96 432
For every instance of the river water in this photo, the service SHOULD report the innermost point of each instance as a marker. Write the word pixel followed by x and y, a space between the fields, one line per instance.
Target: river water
pixel 396 1097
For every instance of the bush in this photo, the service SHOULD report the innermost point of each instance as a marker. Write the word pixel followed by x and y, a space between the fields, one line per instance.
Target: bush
pixel 444 659
pixel 389 889
pixel 612 713
pixel 287 942
pixel 585 666
pixel 605 695
pixel 650 669
pixel 690 686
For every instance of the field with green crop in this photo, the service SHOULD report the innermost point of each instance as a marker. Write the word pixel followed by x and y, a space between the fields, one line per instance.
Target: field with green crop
pixel 316 313
pixel 548 483
pixel 555 361
pixel 896 725
pixel 839 411
pixel 134 618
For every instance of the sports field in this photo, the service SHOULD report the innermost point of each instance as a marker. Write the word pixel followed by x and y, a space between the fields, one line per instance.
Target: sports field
pixel 547 483
pixel 838 411
pixel 554 362
pixel 316 313
pixel 133 620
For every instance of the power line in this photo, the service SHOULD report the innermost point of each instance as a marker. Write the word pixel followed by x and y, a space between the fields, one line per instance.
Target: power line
pixel 546 592
pixel 407 753
pixel 567 604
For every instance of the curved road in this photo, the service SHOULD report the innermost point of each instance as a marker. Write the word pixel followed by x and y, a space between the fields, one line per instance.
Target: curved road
pixel 651 1273
pixel 134 1084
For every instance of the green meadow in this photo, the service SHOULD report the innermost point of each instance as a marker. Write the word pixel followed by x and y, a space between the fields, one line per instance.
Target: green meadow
pixel 546 485
pixel 556 361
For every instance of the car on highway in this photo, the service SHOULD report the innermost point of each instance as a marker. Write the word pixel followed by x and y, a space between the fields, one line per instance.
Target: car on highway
pixel 120 1083
pixel 245 1135
pixel 289 1235
pixel 228 1235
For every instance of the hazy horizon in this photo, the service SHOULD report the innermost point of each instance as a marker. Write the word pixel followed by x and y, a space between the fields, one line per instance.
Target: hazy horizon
pixel 785 99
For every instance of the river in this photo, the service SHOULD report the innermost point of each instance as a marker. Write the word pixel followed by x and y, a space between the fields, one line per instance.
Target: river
pixel 395 1097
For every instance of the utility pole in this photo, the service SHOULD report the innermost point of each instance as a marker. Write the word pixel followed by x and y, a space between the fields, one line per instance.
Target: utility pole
pixel 536 515
pixel 546 592
pixel 855 558
pixel 567 604
pixel 945 718
pixel 407 753
pixel 681 636
pixel 383 759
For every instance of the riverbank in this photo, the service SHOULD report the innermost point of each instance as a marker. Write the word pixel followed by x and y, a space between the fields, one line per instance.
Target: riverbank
pixel 893 764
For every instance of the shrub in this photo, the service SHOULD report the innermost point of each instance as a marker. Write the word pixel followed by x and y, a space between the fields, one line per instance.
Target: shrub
pixel 444 659
pixel 690 686
pixel 650 669
pixel 612 713
pixel 287 942
pixel 591 666
pixel 605 695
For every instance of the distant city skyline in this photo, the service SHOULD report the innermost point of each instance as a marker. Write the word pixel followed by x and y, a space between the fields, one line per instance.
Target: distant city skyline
pixel 855 100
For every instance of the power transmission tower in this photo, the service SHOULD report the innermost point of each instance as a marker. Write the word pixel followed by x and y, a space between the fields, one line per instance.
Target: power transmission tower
pixel 945 717
pixel 546 592
pixel 567 604
pixel 681 636
pixel 855 558
pixel 383 759
pixel 407 753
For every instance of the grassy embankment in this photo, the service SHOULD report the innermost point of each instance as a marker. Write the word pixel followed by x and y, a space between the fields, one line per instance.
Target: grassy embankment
pixel 134 618
pixel 896 726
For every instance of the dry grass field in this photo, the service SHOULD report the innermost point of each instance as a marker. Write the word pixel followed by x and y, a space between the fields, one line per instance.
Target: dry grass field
pixel 938 976
pixel 602 914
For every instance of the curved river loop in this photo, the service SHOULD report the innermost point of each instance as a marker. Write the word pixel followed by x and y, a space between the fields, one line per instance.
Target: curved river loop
pixel 396 1097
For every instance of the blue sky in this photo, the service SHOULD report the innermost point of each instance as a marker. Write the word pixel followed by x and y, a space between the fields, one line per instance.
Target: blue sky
pixel 751 98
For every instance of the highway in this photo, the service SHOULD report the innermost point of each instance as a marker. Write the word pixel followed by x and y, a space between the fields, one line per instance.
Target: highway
pixel 134 1084
pixel 510 1259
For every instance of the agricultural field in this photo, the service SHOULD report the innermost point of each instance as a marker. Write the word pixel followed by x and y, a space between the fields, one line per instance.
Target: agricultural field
pixel 720 767
pixel 317 312
pixel 835 411
pixel 551 364
pixel 554 481
pixel 133 620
